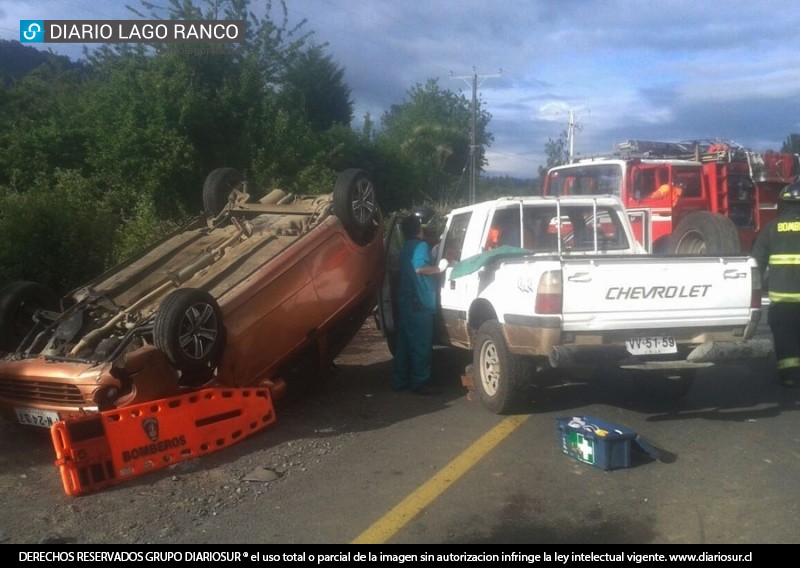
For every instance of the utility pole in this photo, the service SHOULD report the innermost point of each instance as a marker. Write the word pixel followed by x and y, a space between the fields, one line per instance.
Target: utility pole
pixel 473 130
pixel 571 134
pixel 572 127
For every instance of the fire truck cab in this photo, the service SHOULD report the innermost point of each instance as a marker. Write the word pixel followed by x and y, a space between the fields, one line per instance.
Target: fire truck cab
pixel 697 197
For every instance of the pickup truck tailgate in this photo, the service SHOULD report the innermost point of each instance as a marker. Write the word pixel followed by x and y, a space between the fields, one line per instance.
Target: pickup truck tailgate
pixel 633 292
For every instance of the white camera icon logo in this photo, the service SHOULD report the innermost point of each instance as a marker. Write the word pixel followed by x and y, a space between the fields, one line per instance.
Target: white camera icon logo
pixel 31 30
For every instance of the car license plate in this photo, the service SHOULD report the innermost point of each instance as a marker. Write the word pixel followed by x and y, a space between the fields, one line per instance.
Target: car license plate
pixel 34 417
pixel 659 345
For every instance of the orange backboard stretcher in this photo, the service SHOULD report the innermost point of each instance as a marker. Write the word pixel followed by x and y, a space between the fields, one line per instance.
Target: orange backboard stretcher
pixel 106 448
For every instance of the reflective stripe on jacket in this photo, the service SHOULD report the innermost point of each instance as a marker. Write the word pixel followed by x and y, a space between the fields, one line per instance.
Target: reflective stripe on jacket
pixel 778 247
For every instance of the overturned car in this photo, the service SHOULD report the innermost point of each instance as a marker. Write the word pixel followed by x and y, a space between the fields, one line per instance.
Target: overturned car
pixel 252 293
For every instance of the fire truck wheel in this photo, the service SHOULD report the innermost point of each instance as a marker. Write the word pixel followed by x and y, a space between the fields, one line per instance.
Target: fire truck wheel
pixel 704 232
pixel 218 187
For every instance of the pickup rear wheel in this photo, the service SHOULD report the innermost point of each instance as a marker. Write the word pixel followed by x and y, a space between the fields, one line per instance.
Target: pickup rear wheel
pixel 356 206
pixel 218 187
pixel 188 330
pixel 664 387
pixel 704 232
pixel 500 376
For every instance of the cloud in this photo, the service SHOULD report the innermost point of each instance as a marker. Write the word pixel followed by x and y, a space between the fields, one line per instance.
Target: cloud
pixel 667 70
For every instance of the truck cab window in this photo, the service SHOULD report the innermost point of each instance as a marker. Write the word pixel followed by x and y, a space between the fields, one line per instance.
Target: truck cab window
pixel 505 229
pixel 453 241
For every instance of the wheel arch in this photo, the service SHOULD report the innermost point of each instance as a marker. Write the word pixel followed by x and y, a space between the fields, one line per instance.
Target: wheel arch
pixel 480 312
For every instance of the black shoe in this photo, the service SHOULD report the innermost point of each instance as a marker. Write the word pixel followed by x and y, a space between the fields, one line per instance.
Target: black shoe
pixel 426 390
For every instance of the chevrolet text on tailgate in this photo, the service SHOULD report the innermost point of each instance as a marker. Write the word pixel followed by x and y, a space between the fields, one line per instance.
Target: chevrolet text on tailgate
pixel 539 285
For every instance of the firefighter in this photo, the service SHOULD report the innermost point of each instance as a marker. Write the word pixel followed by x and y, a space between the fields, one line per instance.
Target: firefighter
pixel 777 251
pixel 665 190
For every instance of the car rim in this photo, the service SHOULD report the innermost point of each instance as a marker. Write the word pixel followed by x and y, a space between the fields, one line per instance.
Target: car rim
pixel 363 204
pixel 490 368
pixel 198 331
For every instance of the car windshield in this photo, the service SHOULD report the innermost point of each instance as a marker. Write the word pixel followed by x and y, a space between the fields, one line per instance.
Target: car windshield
pixel 593 179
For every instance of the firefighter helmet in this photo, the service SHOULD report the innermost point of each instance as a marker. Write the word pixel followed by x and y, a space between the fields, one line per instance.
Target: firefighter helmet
pixel 791 193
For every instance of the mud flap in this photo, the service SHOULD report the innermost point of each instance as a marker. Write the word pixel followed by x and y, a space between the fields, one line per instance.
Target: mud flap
pixel 106 448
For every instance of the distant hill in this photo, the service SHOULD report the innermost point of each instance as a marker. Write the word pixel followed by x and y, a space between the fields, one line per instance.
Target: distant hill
pixel 17 60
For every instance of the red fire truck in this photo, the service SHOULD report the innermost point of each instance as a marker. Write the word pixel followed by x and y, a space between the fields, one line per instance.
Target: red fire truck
pixel 695 197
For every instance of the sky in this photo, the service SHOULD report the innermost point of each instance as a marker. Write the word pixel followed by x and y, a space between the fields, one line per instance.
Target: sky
pixel 619 69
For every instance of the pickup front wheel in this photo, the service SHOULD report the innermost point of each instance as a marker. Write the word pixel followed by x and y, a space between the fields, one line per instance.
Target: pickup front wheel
pixel 500 376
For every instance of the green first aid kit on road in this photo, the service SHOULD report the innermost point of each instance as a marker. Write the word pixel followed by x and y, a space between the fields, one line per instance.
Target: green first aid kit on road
pixel 596 442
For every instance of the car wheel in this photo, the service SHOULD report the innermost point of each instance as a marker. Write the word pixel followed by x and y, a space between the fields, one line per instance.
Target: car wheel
pixel 661 387
pixel 18 302
pixel 704 232
pixel 356 206
pixel 499 376
pixel 188 330
pixel 218 187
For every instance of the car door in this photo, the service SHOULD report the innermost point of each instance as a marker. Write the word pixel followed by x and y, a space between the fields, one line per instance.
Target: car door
pixel 452 324
pixel 386 313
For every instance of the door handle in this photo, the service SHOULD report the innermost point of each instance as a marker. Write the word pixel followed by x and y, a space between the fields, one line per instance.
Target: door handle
pixel 452 284
pixel 580 277
pixel 733 274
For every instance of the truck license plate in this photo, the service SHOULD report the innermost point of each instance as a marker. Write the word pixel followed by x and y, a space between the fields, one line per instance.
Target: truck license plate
pixel 659 345
pixel 34 417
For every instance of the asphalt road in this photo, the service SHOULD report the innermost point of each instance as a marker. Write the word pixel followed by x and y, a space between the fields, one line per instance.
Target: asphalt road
pixel 360 463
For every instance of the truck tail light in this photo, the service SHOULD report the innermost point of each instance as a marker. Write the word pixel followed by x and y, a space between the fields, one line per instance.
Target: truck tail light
pixel 549 293
pixel 755 293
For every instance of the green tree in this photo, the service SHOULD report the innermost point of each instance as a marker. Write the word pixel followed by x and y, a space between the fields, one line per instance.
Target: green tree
pixel 556 154
pixel 314 83
pixel 54 232
pixel 431 131
pixel 139 130
pixel 41 128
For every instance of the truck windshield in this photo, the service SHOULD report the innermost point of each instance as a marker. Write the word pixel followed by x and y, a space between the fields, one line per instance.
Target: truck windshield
pixel 589 179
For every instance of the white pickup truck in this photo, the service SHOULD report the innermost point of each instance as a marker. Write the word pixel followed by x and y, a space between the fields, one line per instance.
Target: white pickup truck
pixel 537 284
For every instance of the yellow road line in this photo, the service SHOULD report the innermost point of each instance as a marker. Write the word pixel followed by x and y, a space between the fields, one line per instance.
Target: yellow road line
pixel 383 529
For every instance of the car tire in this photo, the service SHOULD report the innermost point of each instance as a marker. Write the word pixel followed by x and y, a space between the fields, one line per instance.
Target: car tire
pixel 356 206
pixel 218 187
pixel 500 378
pixel 704 232
pixel 660 387
pixel 18 302
pixel 188 330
